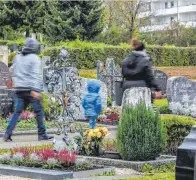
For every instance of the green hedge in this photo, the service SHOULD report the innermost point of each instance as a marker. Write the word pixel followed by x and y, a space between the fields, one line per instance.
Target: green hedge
pixel 177 127
pixel 87 57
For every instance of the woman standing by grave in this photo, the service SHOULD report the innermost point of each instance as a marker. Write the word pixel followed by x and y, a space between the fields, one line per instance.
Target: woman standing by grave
pixel 137 69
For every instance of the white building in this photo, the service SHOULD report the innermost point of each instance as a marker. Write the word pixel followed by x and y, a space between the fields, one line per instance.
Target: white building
pixel 163 13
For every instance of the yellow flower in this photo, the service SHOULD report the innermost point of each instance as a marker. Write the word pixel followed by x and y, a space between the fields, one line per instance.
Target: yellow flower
pixel 87 131
pixel 96 130
pixel 105 130
pixel 99 135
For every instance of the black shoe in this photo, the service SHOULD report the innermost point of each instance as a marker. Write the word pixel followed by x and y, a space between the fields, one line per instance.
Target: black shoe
pixel 7 138
pixel 44 137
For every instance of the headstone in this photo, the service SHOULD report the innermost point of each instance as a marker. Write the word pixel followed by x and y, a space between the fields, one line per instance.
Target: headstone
pixel 14 47
pixel 161 79
pixel 100 69
pixel 109 75
pixel 181 94
pixel 186 158
pixel 134 96
pixel 41 49
pixel 4 53
pixel 6 102
pixel 4 74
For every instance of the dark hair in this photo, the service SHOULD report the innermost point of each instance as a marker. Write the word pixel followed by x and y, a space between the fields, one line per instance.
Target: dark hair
pixel 137 45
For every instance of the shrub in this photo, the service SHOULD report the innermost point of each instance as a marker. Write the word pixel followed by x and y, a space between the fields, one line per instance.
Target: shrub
pixel 177 128
pixel 140 133
pixel 10 58
pixel 87 56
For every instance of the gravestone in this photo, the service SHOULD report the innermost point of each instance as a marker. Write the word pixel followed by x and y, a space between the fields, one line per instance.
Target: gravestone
pixel 161 79
pixel 14 47
pixel 41 49
pixel 181 94
pixel 4 74
pixel 4 53
pixel 109 75
pixel 136 95
pixel 186 158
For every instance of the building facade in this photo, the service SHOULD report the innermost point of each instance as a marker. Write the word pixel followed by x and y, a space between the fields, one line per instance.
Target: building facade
pixel 161 14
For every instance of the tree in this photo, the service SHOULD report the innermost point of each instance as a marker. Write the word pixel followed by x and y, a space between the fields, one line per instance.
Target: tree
pixel 73 19
pixel 125 14
pixel 28 14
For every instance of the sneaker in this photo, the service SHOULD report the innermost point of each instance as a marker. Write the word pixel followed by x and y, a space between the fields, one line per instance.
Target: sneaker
pixel 44 137
pixel 7 138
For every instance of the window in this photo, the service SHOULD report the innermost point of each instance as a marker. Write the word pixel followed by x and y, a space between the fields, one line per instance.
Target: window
pixel 172 4
pixel 172 20
pixel 166 5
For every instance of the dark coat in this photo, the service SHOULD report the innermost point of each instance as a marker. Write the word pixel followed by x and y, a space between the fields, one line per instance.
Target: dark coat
pixel 137 71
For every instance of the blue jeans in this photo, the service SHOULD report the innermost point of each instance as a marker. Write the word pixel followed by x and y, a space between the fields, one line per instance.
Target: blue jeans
pixel 92 122
pixel 23 99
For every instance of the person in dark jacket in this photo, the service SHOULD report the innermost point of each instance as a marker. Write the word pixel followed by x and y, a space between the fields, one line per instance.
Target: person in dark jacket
pixel 137 68
pixel 92 102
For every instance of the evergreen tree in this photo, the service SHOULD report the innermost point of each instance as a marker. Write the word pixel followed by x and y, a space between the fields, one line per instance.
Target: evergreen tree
pixel 72 19
pixel 28 14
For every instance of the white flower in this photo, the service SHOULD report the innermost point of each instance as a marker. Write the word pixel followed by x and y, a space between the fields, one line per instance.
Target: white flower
pixel 5 157
pixel 18 157
pixel 52 161
pixel 34 157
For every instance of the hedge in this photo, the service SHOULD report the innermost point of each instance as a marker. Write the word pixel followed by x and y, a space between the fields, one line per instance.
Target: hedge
pixel 87 57
pixel 177 127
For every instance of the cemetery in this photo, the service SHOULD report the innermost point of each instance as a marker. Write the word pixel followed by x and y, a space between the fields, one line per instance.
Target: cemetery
pixel 103 131
pixel 79 152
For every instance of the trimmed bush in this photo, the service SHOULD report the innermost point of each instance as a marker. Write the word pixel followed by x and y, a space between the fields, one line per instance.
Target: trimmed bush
pixel 163 106
pixel 87 56
pixel 141 135
pixel 91 74
pixel 177 128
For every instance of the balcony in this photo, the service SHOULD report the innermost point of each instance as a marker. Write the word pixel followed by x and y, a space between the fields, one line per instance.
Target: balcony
pixel 168 12
pixel 160 27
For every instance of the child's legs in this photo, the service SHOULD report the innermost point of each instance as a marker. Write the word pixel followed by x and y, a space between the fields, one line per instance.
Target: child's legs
pixel 92 122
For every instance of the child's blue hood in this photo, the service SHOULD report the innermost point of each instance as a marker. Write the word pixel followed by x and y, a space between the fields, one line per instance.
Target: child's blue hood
pixel 93 86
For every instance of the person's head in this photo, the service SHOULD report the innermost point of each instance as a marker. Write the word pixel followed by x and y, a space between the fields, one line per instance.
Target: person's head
pixel 31 46
pixel 93 86
pixel 137 45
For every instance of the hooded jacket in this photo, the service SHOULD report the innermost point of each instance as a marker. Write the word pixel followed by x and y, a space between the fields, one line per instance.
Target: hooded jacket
pixel 26 69
pixel 137 71
pixel 92 100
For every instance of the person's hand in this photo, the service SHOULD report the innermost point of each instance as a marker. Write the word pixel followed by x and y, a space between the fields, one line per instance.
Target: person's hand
pixel 35 95
pixel 158 95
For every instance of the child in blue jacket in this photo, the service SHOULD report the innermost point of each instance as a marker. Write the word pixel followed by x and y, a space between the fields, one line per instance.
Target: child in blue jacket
pixel 92 102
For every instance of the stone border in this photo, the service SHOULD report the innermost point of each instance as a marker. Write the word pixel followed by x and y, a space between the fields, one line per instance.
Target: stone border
pixel 45 174
pixel 49 131
pixel 83 174
pixel 136 165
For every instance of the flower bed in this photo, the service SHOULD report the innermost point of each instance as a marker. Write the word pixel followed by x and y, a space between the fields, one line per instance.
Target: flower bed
pixel 110 116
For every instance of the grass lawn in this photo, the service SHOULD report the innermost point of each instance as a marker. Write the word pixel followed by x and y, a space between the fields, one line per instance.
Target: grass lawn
pixel 187 71
pixel 155 177
pixel 160 102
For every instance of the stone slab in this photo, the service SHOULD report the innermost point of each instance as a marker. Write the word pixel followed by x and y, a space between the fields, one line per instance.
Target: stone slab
pixel 136 165
pixel 136 95
pixel 34 173
pixel 181 94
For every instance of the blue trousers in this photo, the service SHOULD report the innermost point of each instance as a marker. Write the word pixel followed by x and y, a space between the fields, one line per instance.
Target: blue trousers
pixel 23 98
pixel 92 122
